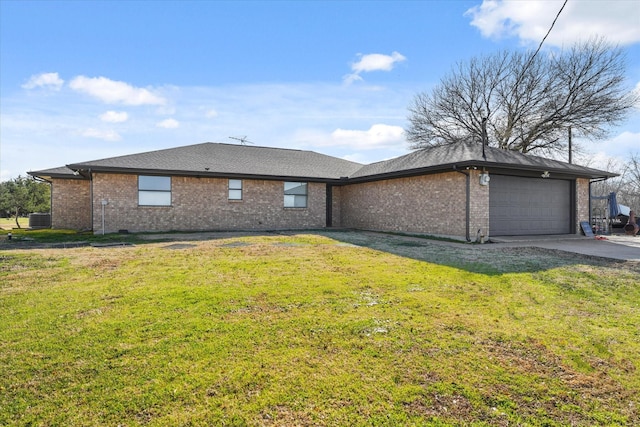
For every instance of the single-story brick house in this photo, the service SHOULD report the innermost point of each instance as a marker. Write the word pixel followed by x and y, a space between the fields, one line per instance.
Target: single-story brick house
pixel 459 191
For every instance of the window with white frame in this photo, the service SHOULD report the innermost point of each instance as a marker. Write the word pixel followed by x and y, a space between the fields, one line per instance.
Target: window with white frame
pixel 154 190
pixel 235 189
pixel 295 194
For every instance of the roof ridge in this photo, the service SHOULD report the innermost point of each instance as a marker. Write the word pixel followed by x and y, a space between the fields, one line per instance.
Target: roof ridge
pixel 257 146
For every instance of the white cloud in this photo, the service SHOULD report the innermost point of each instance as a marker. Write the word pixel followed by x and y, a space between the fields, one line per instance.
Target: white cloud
pixel 297 116
pixel 114 116
pixel 350 78
pixel 377 62
pixel 372 62
pixel 211 114
pixel 115 92
pixel 601 154
pixel 48 80
pixel 168 124
pixel 107 135
pixel 377 136
pixel 619 146
pixel 530 20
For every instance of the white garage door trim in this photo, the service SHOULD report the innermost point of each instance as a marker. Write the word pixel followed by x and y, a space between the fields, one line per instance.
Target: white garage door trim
pixel 521 206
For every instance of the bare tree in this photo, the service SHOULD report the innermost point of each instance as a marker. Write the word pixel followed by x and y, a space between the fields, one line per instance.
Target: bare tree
pixel 523 102
pixel 626 185
pixel 631 183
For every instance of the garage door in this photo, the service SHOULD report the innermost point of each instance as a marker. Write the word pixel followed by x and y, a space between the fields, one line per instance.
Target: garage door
pixel 527 206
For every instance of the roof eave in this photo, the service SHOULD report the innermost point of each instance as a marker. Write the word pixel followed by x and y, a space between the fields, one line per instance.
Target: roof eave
pixel 49 176
pixel 406 173
pixel 89 169
pixel 557 172
pixel 479 164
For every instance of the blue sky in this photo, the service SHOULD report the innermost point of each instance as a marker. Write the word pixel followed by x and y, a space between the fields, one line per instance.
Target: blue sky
pixel 84 80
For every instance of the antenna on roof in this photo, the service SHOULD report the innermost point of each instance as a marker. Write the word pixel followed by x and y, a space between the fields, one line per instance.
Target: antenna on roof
pixel 242 139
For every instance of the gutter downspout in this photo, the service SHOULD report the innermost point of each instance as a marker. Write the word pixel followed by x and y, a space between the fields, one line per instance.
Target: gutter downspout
pixel 50 204
pixel 91 197
pixel 468 202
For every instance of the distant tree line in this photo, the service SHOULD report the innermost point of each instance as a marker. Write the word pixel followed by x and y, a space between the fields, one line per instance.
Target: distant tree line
pixel 22 196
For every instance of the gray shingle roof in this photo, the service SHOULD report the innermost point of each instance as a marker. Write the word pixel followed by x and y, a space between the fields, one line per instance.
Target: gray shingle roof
pixel 228 159
pixel 216 159
pixel 470 154
pixel 59 172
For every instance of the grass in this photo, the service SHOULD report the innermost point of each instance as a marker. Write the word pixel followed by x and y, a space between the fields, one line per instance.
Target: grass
pixel 58 236
pixel 312 330
pixel 9 223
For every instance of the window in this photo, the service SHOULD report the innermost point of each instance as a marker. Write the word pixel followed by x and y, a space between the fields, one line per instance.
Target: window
pixel 235 189
pixel 295 194
pixel 154 190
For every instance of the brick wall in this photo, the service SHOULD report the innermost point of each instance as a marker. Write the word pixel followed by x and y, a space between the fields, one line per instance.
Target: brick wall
pixel 582 202
pixel 336 203
pixel 202 204
pixel 432 204
pixel 478 207
pixel 71 204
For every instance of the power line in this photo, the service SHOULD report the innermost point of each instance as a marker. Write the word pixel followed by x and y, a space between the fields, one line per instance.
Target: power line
pixel 541 43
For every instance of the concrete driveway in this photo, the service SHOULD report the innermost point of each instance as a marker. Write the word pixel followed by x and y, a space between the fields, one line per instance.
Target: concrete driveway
pixel 616 246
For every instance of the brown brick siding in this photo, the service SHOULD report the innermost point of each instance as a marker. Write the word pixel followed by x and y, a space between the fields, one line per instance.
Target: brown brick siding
pixel 70 204
pixel 582 202
pixel 433 204
pixel 202 204
pixel 478 207
pixel 336 204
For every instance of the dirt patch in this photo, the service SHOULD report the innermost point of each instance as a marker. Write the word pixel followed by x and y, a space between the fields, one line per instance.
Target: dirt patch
pixel 203 235
pixel 177 246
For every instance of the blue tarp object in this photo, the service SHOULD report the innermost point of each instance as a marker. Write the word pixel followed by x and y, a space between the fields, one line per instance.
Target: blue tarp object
pixel 614 209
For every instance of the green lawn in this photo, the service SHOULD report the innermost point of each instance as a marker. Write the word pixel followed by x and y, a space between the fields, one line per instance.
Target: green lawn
pixel 9 223
pixel 309 330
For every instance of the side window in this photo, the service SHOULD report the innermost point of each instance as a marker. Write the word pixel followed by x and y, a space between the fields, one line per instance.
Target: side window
pixel 154 190
pixel 295 194
pixel 235 189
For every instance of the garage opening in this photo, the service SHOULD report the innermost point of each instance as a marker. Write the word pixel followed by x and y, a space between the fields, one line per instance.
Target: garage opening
pixel 529 206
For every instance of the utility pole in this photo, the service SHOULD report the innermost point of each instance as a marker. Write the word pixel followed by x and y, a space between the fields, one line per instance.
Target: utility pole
pixel 485 139
pixel 570 147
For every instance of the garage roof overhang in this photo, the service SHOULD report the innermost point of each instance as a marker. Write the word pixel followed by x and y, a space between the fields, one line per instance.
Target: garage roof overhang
pixel 490 167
